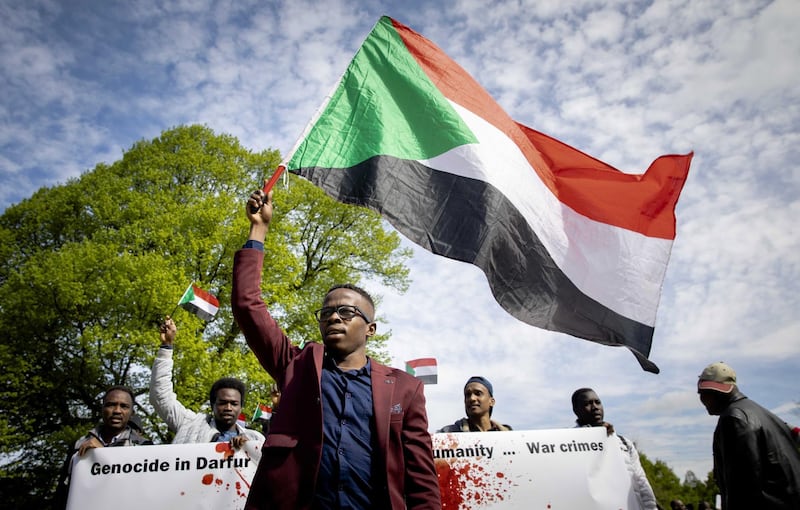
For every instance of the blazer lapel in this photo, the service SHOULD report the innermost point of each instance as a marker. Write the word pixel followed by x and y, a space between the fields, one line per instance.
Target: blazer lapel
pixel 383 385
pixel 319 354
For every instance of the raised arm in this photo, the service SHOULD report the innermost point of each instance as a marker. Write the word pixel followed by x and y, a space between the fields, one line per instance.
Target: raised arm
pixel 162 394
pixel 265 338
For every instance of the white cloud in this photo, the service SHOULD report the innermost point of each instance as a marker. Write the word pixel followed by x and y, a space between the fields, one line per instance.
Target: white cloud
pixel 621 81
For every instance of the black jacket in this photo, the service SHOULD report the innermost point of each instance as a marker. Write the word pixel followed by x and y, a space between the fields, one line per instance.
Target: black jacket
pixel 756 460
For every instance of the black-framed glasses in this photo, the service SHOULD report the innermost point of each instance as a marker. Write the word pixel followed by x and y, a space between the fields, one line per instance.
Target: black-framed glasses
pixel 345 312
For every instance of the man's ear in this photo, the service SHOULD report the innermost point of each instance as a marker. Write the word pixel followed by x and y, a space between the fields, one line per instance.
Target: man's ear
pixel 492 401
pixel 372 328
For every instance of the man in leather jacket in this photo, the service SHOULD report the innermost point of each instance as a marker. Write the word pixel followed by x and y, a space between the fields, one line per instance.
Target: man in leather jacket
pixel 756 460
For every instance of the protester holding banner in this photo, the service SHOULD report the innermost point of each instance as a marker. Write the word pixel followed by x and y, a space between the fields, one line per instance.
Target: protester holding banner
pixel 115 429
pixel 756 461
pixel 227 399
pixel 478 403
pixel 356 432
pixel 589 410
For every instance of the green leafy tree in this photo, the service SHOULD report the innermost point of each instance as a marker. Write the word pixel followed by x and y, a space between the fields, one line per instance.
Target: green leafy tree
pixel 667 485
pixel 90 267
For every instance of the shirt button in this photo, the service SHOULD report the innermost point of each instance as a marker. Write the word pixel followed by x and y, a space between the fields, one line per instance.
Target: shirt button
pixel 343 422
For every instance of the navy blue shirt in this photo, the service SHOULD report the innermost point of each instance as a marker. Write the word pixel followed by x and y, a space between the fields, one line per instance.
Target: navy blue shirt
pixel 224 437
pixel 345 477
pixel 252 243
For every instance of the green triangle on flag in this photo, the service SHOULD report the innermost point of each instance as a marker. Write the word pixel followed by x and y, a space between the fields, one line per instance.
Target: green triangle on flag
pixel 396 96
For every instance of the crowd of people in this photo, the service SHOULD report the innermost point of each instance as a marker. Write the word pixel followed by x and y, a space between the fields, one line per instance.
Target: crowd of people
pixel 356 432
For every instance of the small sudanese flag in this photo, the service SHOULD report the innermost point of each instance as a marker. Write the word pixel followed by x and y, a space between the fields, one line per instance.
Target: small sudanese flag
pixel 263 413
pixel 242 420
pixel 199 302
pixel 424 369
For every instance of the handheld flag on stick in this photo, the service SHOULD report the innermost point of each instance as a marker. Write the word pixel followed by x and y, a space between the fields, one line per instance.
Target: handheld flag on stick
pixel 242 420
pixel 272 180
pixel 567 242
pixel 199 302
pixel 424 369
pixel 263 413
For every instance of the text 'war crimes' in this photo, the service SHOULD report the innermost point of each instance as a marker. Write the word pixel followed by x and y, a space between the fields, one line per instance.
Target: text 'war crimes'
pixel 533 447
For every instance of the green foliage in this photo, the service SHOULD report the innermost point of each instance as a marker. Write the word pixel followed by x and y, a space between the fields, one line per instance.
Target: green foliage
pixel 90 267
pixel 667 486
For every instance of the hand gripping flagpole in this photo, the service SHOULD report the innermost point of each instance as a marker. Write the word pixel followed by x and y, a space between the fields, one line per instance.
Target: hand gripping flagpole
pixel 269 185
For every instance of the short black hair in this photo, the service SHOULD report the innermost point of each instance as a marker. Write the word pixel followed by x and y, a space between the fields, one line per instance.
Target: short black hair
pixel 119 387
pixel 226 383
pixel 354 288
pixel 578 393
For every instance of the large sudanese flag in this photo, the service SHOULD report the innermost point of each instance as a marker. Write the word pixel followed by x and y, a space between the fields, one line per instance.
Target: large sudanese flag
pixel 567 242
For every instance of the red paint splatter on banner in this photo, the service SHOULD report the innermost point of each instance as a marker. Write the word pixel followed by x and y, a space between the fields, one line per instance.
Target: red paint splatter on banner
pixel 239 491
pixel 207 479
pixel 244 480
pixel 465 484
pixel 224 448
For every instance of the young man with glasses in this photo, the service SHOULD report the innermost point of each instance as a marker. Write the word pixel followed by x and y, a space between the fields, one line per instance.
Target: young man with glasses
pixel 352 433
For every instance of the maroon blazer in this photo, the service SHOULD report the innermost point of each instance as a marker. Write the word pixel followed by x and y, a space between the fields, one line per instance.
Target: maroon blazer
pixel 286 476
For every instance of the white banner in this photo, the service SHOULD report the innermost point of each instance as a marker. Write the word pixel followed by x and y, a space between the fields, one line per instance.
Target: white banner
pixel 578 468
pixel 196 476
pixel 557 469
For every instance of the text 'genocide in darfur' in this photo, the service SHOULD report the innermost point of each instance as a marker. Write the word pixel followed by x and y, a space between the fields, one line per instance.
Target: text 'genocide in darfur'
pixel 150 466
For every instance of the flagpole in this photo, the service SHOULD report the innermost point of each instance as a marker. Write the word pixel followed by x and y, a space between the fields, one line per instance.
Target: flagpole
pixel 268 185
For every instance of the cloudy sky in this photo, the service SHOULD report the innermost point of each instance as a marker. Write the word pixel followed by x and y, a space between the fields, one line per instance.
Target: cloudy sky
pixel 81 81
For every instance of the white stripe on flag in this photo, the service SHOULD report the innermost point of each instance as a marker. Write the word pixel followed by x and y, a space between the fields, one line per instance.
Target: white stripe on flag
pixel 205 306
pixel 425 370
pixel 628 280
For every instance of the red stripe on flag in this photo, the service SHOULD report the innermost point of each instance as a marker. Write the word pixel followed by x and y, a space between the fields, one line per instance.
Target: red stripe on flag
pixel 414 363
pixel 641 203
pixel 205 296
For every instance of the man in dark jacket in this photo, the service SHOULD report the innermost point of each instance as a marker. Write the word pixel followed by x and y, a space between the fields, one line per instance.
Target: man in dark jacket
pixel 756 461
pixel 119 427
pixel 355 434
